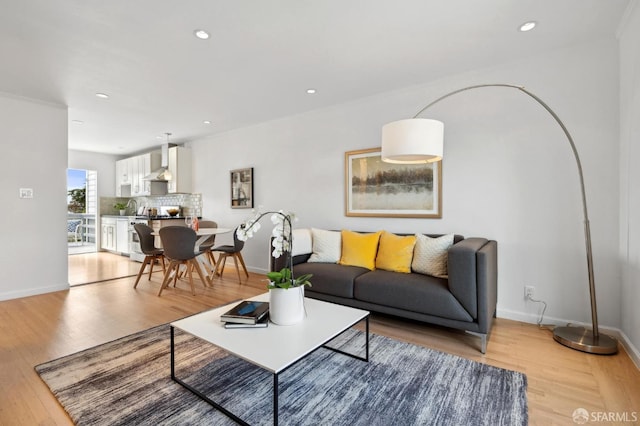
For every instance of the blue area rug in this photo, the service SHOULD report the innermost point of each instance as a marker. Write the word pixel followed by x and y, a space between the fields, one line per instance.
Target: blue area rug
pixel 127 382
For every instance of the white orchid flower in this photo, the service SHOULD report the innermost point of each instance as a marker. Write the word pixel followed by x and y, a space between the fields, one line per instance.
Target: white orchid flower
pixel 281 233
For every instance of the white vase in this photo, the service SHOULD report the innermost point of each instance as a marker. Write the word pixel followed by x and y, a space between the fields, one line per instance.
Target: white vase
pixel 286 305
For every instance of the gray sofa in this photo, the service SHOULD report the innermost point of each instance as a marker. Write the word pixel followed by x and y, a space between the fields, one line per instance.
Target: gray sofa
pixel 465 301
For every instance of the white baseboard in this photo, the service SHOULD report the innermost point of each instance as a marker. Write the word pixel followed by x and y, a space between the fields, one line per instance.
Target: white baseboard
pixel 629 347
pixel 255 270
pixel 32 291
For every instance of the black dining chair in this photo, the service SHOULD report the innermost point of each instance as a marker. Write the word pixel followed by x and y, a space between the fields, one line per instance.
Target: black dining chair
pixel 234 251
pixel 148 248
pixel 179 244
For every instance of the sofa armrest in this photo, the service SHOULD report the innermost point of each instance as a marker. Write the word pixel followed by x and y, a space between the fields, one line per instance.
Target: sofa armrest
pixel 487 284
pixel 473 273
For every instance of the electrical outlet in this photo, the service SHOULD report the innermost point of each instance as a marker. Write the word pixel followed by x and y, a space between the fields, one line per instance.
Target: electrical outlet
pixel 529 291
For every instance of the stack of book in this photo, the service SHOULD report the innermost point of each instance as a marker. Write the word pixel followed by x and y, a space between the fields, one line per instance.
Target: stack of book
pixel 247 314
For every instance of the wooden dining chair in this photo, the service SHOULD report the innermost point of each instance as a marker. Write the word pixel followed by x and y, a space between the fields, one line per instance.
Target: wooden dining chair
pixel 179 244
pixel 234 251
pixel 150 251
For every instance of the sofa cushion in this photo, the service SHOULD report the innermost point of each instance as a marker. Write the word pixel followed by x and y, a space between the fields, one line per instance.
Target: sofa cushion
pixel 411 292
pixel 302 242
pixel 326 246
pixel 359 249
pixel 330 278
pixel 430 255
pixel 395 252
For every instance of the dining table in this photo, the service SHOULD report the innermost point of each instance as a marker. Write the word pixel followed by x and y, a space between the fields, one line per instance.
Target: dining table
pixel 204 233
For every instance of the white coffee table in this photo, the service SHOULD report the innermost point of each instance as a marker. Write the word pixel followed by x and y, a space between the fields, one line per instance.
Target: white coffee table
pixel 263 346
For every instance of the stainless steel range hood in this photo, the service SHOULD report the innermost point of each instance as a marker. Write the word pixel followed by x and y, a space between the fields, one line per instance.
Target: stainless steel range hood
pixel 163 173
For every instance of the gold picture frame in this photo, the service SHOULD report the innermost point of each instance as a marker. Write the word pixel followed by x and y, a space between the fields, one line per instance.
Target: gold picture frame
pixel 374 188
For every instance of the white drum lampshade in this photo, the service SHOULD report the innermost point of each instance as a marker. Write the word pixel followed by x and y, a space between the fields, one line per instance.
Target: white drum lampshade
pixel 412 141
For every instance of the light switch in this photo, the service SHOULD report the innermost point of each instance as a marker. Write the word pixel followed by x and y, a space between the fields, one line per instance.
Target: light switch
pixel 26 192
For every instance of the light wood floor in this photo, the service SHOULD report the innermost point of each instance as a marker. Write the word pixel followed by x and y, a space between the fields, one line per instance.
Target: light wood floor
pixel 37 329
pixel 97 266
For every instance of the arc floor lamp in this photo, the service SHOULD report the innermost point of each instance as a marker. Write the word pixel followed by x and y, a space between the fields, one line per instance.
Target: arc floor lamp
pixel 420 140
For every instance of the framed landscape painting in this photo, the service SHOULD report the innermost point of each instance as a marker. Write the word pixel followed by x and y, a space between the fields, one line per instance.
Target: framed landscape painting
pixel 379 189
pixel 242 188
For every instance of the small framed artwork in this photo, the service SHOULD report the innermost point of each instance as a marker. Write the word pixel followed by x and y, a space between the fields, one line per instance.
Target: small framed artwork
pixel 378 189
pixel 242 188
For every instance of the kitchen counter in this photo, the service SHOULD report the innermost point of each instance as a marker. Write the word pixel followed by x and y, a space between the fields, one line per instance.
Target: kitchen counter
pixel 132 217
pixel 163 217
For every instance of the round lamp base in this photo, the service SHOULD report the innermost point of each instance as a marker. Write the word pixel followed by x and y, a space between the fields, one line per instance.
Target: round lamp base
pixel 583 340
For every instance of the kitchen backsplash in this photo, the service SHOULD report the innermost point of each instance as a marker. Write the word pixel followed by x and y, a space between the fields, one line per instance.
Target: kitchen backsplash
pixel 190 203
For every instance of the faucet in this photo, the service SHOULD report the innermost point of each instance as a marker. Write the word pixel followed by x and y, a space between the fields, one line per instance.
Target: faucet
pixel 135 203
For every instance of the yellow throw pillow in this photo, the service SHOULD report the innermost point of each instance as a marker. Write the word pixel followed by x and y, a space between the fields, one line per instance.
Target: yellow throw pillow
pixel 359 249
pixel 395 252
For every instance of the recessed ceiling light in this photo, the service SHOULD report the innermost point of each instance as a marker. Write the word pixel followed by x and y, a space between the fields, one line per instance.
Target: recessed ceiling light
pixel 102 96
pixel 207 122
pixel 311 91
pixel 159 137
pixel 528 26
pixel 78 122
pixel 201 34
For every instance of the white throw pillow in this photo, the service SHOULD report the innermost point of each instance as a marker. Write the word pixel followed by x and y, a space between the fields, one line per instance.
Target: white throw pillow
pixel 430 255
pixel 327 246
pixel 301 242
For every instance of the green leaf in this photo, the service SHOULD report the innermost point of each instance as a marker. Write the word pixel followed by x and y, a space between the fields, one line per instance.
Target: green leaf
pixel 275 276
pixel 284 279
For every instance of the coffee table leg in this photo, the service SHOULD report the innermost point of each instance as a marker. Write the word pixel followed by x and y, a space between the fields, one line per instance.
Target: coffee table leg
pixel 362 358
pixel 275 399
pixel 173 362
pixel 205 397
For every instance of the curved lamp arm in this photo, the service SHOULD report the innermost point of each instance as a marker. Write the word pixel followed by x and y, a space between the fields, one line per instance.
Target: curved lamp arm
pixel 549 110
pixel 565 335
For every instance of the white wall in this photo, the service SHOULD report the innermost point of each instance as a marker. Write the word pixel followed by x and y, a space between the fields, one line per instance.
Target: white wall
pixel 33 253
pixel 104 164
pixel 508 173
pixel 629 255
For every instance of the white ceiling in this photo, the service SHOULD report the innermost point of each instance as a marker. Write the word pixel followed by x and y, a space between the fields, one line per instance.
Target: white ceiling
pixel 261 57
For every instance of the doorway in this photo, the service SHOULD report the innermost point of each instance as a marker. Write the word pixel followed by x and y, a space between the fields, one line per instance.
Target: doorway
pixel 82 207
pixel 86 263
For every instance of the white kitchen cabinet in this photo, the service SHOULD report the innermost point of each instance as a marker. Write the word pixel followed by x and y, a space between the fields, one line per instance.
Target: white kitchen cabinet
pixel 122 236
pixel 122 176
pixel 144 168
pixel 135 176
pixel 115 234
pixel 131 173
pixel 180 168
pixel 108 240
